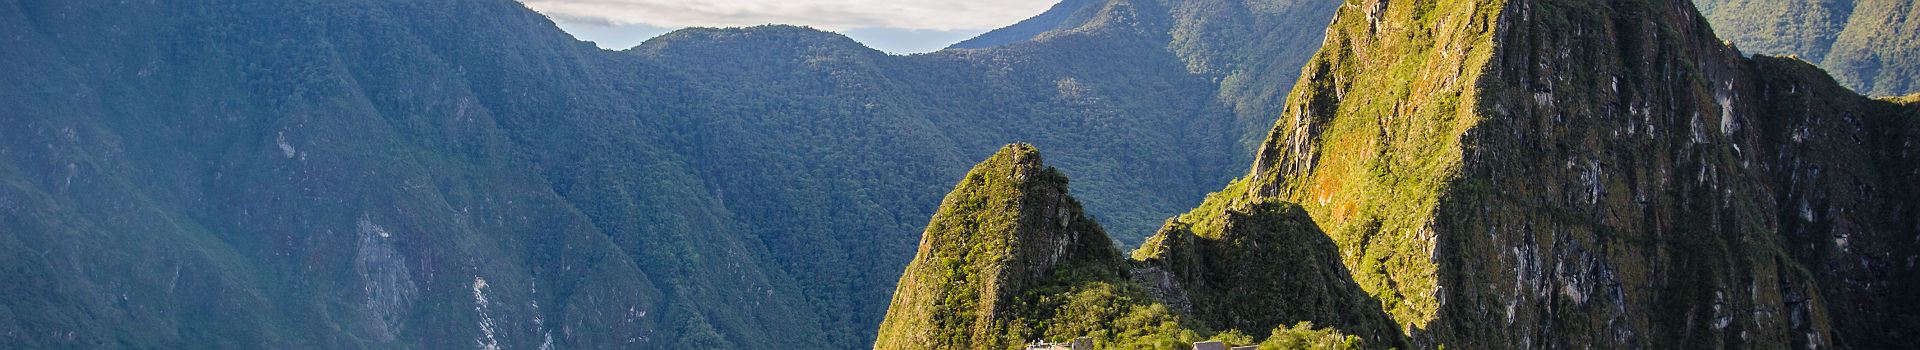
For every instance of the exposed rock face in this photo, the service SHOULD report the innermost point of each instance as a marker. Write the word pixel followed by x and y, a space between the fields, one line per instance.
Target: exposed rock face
pixel 1551 173
pixel 1003 229
pixel 1613 192
pixel 1845 180
pixel 386 279
pixel 1516 174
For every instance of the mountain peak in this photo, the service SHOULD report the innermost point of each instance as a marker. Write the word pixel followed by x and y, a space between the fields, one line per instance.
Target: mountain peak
pixel 1008 226
pixel 1056 17
pixel 1550 166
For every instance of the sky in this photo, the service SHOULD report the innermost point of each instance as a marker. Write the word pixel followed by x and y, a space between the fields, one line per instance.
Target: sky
pixel 895 26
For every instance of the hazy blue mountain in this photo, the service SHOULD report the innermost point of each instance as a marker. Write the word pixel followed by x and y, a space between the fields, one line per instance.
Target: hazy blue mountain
pixel 446 174
pixel 1056 17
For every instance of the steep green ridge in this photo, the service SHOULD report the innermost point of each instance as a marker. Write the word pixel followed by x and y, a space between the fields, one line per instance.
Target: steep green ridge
pixel 1868 45
pixel 1250 267
pixel 446 173
pixel 1371 139
pixel 1011 258
pixel 1505 174
pixel 1008 227
pixel 460 173
pixel 1496 174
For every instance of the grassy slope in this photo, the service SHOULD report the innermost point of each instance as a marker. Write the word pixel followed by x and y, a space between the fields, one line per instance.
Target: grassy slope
pixel 1371 137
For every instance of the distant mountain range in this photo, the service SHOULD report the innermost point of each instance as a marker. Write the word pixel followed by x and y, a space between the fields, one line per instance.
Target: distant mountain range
pixel 445 174
pixel 460 174
pixel 1872 46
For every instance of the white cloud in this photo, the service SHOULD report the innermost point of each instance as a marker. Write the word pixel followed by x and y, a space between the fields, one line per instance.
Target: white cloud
pixel 833 15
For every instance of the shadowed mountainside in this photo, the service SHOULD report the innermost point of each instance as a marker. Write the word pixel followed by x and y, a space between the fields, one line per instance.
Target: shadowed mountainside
pixel 446 173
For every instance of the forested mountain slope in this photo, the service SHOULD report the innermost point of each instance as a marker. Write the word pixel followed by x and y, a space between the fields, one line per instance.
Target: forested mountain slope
pixel 1546 173
pixel 446 174
pixel 1872 46
pixel 1009 226
pixel 1556 173
pixel 1010 258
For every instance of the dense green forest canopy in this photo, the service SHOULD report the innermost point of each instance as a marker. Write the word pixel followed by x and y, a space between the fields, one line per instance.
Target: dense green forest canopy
pixel 441 173
pixel 1872 46
pixel 461 173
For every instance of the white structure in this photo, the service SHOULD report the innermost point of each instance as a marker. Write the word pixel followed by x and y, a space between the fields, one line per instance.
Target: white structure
pixel 1210 345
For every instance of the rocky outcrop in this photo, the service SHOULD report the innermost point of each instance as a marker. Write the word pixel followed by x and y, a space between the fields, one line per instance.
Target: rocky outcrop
pixel 1007 227
pixel 1546 173
pixel 1638 203
pixel 1556 174
pixel 1845 179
